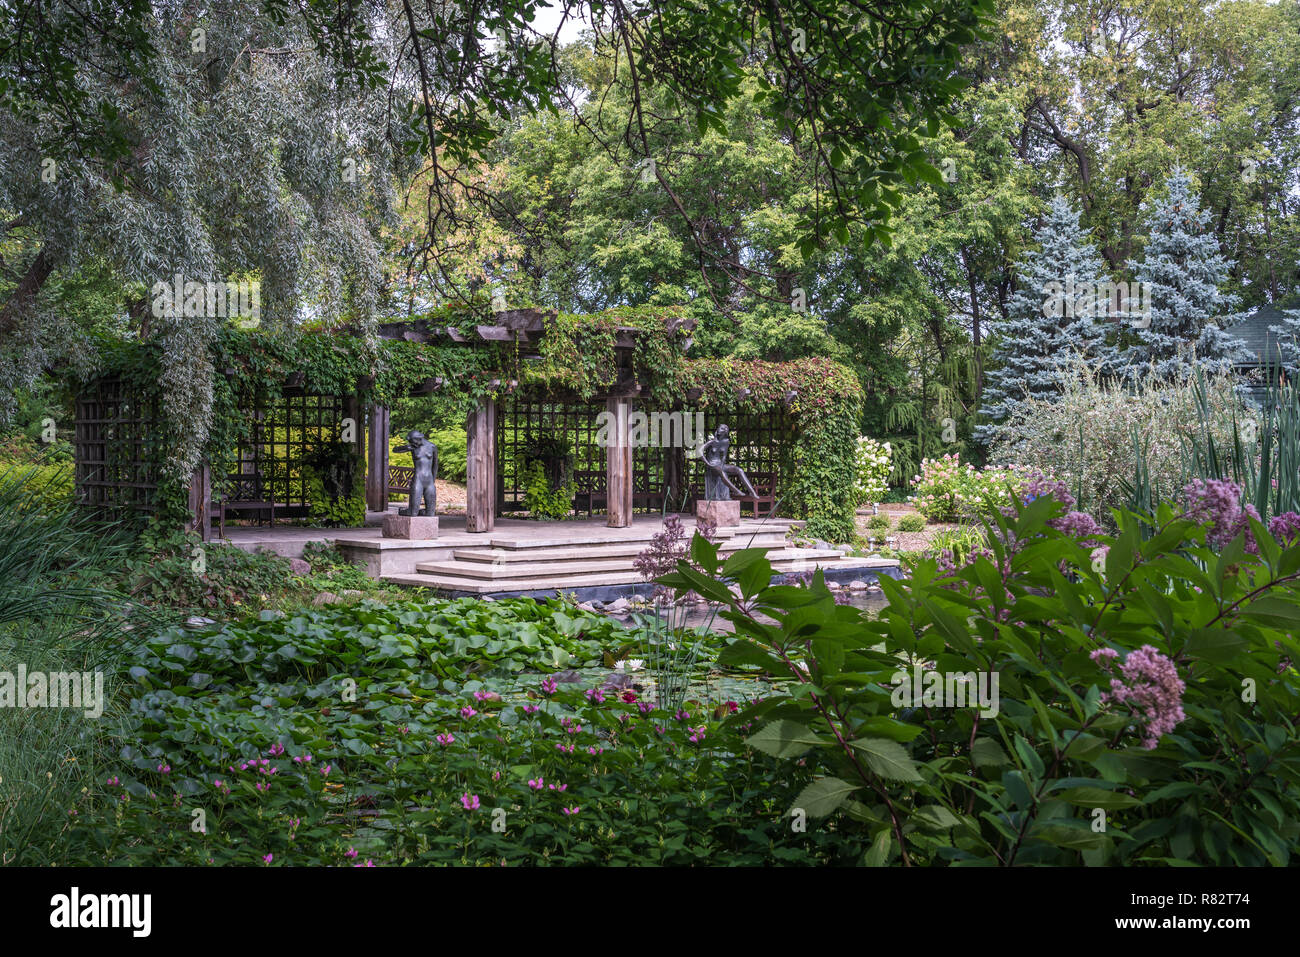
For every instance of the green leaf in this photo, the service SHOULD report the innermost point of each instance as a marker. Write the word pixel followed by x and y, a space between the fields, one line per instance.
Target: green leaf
pixel 784 739
pixel 986 752
pixel 878 854
pixel 935 817
pixel 889 759
pixel 742 651
pixel 823 796
pixel 1099 797
pixel 1214 645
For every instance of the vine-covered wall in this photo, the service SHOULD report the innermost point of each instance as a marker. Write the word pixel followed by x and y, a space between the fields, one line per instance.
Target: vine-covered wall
pixel 575 353
pixel 825 400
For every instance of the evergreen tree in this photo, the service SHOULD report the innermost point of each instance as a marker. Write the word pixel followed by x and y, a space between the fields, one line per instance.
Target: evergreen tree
pixel 1051 317
pixel 1183 269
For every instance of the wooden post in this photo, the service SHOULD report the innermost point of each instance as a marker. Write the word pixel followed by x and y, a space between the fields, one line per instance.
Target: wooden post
pixel 201 501
pixel 618 464
pixel 377 459
pixel 481 467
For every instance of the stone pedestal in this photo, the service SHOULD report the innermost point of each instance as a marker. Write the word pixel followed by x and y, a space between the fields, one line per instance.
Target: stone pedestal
pixel 718 514
pixel 410 526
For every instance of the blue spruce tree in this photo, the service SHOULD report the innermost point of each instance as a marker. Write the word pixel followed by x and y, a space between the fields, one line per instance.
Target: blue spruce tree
pixel 1054 316
pixel 1183 269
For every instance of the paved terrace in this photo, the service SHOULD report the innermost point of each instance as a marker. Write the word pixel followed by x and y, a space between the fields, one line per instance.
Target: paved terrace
pixel 537 559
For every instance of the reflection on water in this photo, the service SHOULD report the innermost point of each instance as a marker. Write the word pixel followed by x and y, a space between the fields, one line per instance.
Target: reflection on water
pixel 701 616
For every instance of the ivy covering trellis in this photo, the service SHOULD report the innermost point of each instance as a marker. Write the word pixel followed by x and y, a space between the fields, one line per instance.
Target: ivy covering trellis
pixel 574 355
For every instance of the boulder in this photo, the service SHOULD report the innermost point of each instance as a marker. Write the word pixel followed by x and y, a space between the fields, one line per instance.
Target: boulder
pixel 325 598
pixel 299 567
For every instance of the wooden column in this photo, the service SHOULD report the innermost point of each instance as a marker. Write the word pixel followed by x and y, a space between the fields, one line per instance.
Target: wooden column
pixel 481 467
pixel 201 501
pixel 618 464
pixel 377 459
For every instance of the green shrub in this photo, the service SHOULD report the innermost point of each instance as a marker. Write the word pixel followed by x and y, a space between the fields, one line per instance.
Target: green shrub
pixel 947 491
pixel 540 499
pixel 960 543
pixel 1144 682
pixel 912 522
pixel 879 521
pixel 453 453
pixel 50 620
pixel 336 486
pixel 1085 436
pixel 45 474
pixel 178 571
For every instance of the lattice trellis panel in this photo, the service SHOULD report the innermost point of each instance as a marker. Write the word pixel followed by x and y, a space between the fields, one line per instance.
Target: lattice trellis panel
pixel 117 435
pixel 518 417
pixel 271 464
pixel 760 444
pixel 521 416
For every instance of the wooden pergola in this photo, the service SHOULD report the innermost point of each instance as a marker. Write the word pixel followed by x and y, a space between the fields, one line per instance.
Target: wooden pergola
pixel 524 328
pixel 118 430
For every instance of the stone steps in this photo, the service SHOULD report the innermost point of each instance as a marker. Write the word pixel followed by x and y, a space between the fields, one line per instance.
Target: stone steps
pixel 619 552
pixel 494 571
pixel 496 568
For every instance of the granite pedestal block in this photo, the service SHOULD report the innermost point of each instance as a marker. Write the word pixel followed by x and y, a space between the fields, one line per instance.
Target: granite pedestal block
pixel 718 514
pixel 410 526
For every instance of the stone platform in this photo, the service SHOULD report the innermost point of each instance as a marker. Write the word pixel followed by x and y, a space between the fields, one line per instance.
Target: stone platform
pixel 537 559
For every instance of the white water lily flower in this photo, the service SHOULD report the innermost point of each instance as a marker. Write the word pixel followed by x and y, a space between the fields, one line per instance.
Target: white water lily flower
pixel 633 664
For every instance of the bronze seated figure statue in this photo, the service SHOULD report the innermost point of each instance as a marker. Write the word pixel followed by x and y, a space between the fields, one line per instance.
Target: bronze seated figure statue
pixel 718 475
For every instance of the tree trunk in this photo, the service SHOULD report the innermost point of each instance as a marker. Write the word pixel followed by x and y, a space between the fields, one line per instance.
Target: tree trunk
pixel 25 292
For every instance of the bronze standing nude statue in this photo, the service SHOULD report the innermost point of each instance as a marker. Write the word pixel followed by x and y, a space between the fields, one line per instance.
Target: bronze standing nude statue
pixel 424 491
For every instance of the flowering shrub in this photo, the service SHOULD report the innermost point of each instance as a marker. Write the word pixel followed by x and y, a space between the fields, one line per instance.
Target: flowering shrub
pixel 1086 435
pixel 947 491
pixel 874 463
pixel 1141 685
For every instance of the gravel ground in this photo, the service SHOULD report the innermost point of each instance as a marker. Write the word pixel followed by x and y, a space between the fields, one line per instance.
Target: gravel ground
pixel 904 541
pixel 451 497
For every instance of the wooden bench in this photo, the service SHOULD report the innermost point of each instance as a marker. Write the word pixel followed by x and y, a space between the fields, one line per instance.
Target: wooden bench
pixel 399 479
pixel 245 492
pixel 591 493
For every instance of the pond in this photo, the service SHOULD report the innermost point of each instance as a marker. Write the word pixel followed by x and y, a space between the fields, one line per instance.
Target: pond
pixel 701 616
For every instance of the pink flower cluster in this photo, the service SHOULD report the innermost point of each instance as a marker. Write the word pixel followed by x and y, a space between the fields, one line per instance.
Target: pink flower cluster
pixel 1149 685
pixel 1217 502
pixel 665 548
pixel 1286 527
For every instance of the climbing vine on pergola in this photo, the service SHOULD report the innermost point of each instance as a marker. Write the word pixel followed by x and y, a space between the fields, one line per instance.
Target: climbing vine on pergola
pixel 468 363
